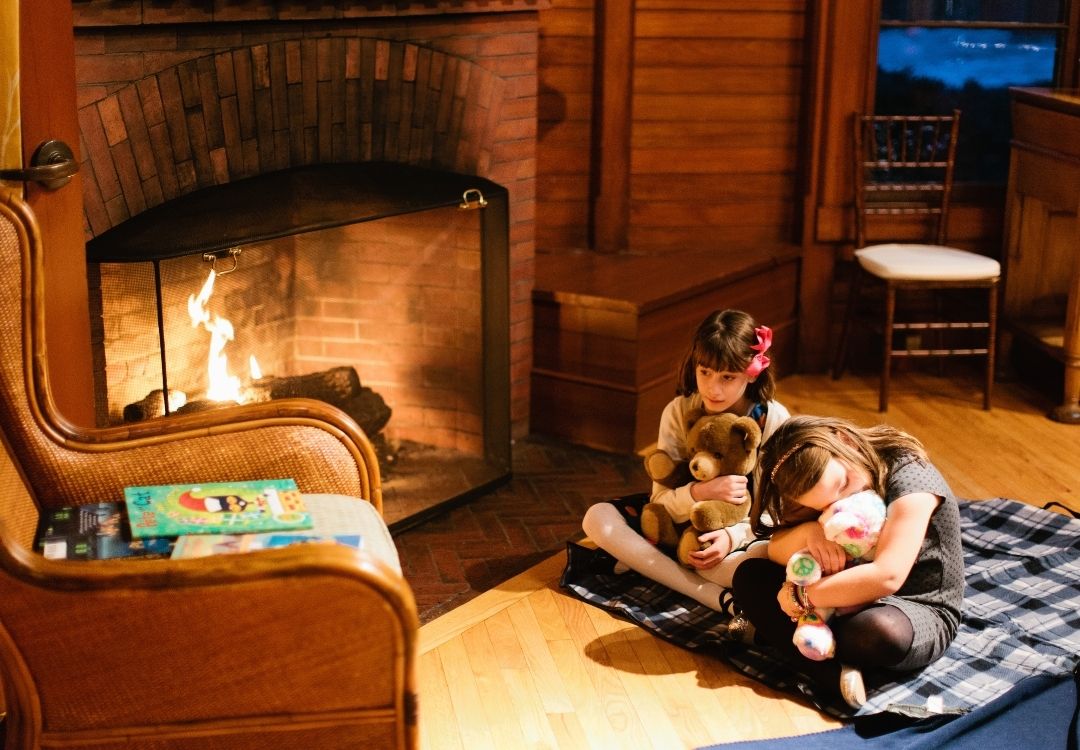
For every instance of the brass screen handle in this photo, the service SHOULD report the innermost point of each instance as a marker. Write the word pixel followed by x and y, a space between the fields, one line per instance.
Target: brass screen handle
pixel 52 166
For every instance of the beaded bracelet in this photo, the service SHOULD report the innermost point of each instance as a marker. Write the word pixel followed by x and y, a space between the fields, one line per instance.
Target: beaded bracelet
pixel 803 598
pixel 796 600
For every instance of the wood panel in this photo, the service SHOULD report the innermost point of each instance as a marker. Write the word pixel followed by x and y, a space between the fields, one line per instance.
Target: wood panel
pixel 716 93
pixel 740 80
pixel 47 92
pixel 734 238
pixel 1042 242
pixel 564 123
pixel 733 116
pixel 607 344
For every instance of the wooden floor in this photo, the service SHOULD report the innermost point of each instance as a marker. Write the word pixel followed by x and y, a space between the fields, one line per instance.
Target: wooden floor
pixel 524 665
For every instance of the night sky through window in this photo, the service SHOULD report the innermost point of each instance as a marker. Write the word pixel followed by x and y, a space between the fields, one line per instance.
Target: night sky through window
pixel 927 70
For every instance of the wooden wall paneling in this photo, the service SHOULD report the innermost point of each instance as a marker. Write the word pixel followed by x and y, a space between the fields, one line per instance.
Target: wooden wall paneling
pixel 847 45
pixel 818 266
pixel 841 43
pixel 612 87
pixel 1070 55
pixel 717 97
pixel 564 124
pixel 716 103
pixel 714 108
pixel 1042 273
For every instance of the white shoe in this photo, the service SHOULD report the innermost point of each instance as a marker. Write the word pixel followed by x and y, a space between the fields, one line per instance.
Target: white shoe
pixel 851 686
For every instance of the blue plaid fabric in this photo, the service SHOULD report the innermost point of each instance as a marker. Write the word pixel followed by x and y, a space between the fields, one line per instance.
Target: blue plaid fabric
pixel 1021 615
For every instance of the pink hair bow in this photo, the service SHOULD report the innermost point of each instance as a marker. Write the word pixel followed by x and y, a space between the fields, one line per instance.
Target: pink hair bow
pixel 759 361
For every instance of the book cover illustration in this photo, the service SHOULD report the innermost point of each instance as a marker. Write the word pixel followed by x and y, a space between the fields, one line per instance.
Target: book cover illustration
pixel 201 545
pixel 216 508
pixel 97 531
pixel 335 519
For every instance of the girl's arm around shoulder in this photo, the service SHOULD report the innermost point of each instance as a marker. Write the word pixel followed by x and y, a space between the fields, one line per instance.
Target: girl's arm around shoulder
pixel 897 550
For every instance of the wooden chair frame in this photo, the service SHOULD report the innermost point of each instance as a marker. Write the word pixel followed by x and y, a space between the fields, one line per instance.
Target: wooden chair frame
pixel 925 146
pixel 308 646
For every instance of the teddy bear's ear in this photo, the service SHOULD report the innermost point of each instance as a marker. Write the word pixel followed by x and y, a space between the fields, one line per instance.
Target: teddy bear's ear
pixel 748 432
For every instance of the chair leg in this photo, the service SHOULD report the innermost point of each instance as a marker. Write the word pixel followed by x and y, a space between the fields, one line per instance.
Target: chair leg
pixel 886 365
pixel 845 328
pixel 990 345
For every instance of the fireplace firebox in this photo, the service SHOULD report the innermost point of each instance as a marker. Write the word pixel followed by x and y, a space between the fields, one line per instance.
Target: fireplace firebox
pixel 381 288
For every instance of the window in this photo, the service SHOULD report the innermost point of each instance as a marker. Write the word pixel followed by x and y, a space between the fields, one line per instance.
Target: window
pixel 937 55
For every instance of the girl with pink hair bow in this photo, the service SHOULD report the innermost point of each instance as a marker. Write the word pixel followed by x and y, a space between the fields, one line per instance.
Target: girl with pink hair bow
pixel 726 368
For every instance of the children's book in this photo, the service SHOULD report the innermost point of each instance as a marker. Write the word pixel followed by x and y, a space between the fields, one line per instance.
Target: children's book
pixel 216 508
pixel 97 531
pixel 335 520
pixel 201 545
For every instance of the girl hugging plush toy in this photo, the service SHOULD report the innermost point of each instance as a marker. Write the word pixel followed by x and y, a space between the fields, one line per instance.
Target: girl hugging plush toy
pixel 854 523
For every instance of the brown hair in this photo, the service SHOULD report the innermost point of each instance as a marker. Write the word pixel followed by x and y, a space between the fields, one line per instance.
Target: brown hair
pixel 794 458
pixel 722 342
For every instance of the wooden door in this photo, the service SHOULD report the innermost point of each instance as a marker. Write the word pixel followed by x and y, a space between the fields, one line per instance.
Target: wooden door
pixel 45 76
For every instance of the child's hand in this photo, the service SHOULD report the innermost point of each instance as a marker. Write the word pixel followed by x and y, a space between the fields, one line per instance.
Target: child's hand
pixel 731 488
pixel 785 597
pixel 830 555
pixel 715 546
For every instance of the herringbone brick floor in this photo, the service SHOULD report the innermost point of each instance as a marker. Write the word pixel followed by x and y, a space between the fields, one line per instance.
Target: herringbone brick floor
pixel 455 557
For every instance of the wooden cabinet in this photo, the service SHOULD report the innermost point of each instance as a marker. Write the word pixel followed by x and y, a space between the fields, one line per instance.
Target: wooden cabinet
pixel 610 331
pixel 1042 232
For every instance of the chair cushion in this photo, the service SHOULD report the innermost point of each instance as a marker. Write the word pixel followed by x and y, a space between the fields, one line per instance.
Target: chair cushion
pixel 926 262
pixel 340 514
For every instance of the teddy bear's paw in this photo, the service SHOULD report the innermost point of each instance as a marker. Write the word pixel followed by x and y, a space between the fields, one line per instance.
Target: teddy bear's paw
pixel 659 466
pixel 707 515
pixel 688 543
pixel 657 526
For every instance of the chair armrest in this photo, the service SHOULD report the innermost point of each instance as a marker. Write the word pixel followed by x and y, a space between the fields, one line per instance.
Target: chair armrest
pixel 311 632
pixel 316 444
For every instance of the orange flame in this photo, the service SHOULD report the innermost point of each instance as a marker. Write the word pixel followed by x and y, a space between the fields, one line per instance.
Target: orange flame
pixel 222 386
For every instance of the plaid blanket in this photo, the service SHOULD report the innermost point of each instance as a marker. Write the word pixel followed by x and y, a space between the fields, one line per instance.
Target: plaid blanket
pixel 1021 615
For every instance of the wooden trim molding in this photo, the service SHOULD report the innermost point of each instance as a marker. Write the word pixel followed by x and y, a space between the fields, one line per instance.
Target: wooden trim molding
pixel 613 93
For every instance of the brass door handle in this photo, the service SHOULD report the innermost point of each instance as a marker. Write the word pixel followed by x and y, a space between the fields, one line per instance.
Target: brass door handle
pixel 52 166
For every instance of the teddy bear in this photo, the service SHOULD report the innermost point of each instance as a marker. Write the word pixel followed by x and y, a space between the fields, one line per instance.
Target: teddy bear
pixel 853 522
pixel 718 444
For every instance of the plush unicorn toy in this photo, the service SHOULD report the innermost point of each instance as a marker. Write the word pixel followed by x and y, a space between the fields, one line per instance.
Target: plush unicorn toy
pixel 854 523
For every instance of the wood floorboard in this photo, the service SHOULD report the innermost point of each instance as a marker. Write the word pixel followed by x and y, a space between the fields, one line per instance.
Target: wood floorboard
pixel 508 660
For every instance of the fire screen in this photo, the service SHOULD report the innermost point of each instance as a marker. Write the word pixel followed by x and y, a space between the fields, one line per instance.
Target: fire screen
pixel 380 289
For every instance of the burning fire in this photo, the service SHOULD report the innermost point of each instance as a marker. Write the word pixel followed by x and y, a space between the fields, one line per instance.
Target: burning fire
pixel 222 386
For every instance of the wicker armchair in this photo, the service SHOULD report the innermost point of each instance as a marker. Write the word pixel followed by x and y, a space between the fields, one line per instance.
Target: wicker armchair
pixel 310 646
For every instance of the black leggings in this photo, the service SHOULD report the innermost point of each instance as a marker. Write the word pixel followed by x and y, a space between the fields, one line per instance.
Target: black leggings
pixel 878 636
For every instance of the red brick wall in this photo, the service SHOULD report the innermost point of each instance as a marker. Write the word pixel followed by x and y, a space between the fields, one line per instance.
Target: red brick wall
pixel 171 101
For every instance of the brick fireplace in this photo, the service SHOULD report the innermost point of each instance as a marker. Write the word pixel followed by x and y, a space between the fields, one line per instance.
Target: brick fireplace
pixel 180 96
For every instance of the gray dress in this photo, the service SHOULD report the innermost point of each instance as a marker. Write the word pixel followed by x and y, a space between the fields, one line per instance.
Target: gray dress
pixel 934 590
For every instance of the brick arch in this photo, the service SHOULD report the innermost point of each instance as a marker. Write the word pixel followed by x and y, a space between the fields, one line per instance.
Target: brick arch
pixel 265 107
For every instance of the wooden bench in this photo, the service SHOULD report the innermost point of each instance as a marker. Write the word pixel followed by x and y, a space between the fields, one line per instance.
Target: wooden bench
pixel 609 331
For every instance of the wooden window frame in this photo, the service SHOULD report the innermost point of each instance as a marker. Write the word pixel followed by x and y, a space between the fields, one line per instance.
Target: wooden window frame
pixel 843 59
